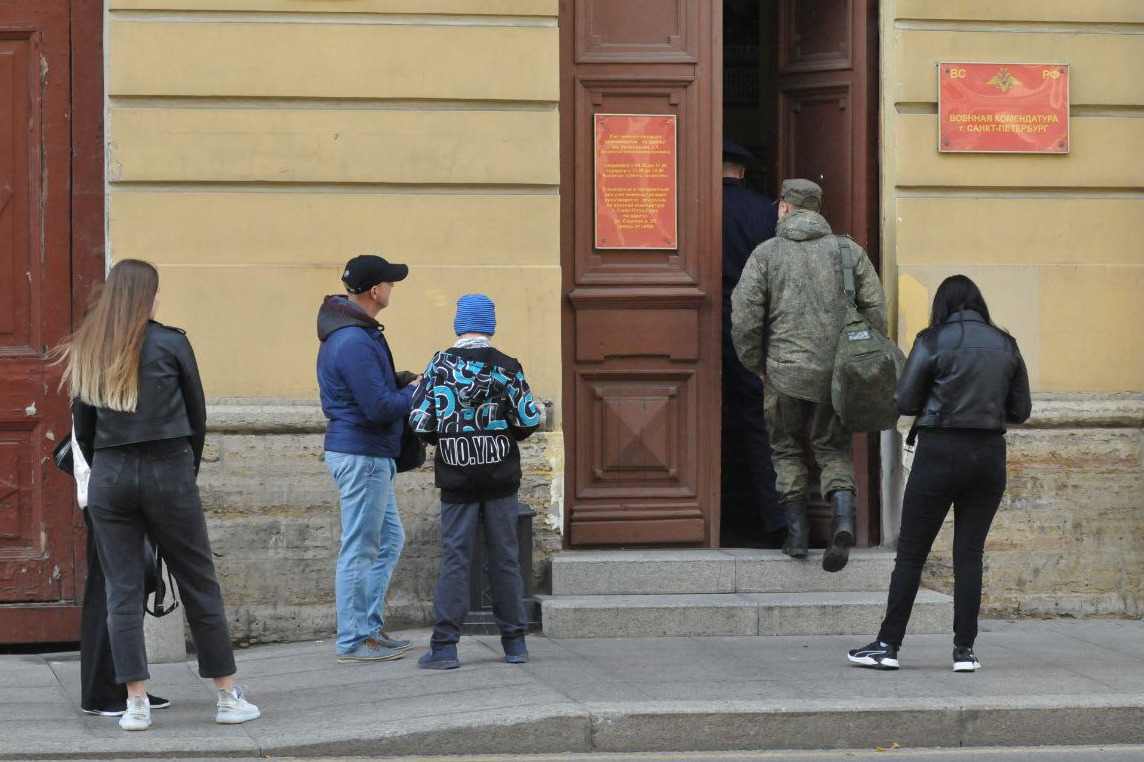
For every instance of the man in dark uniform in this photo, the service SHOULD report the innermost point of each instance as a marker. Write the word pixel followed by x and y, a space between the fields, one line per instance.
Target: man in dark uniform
pixel 752 513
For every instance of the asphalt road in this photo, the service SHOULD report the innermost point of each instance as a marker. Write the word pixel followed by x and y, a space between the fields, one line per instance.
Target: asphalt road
pixel 1026 754
pixel 1007 754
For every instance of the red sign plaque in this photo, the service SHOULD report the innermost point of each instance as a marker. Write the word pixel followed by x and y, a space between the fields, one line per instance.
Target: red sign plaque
pixel 1003 108
pixel 636 181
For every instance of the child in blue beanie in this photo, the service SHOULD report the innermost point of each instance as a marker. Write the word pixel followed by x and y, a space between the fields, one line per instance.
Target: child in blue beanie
pixel 474 404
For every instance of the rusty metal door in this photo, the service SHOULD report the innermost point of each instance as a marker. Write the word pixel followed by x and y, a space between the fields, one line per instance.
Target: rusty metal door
pixel 828 118
pixel 641 327
pixel 38 516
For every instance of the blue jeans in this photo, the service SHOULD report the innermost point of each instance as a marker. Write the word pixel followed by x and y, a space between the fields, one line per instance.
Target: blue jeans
pixel 372 538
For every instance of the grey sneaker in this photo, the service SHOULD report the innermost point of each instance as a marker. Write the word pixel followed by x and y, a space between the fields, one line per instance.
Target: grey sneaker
pixel 234 709
pixel 389 641
pixel 370 650
pixel 138 714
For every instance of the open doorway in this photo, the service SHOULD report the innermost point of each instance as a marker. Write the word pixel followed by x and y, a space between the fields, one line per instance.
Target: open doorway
pixel 751 515
pixel 799 94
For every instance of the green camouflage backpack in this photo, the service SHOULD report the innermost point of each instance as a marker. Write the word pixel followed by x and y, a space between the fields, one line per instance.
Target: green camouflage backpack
pixel 867 365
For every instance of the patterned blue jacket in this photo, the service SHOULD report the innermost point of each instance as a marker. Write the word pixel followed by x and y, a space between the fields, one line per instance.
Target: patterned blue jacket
pixel 474 405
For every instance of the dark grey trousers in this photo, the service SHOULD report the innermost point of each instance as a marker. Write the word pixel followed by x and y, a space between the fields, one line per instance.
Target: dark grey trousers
pixel 459 529
pixel 150 488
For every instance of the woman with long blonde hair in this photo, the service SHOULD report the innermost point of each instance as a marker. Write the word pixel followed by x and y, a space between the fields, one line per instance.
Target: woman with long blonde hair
pixel 140 420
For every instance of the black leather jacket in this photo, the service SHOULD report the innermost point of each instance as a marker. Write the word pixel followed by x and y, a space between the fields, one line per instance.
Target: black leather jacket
pixel 171 403
pixel 972 378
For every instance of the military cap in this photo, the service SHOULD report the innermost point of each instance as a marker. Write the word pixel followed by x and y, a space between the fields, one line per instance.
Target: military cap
pixel 802 194
pixel 736 153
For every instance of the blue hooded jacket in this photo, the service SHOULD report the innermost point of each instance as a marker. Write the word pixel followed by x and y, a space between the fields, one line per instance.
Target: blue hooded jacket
pixel 356 377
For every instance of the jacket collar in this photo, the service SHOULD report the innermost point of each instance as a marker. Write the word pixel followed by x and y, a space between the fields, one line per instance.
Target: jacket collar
pixel 973 315
pixel 339 312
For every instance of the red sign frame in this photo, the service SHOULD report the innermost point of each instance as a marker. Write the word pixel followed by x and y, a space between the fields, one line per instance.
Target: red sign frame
pixel 1003 108
pixel 636 188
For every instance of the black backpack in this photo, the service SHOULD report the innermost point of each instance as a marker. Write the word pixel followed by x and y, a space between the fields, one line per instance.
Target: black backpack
pixel 867 365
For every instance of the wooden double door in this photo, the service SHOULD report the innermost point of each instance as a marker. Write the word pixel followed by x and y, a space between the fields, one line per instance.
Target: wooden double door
pixel 641 327
pixel 51 251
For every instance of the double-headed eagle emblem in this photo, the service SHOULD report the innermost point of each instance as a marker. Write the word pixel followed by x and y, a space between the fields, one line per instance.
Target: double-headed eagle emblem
pixel 1003 80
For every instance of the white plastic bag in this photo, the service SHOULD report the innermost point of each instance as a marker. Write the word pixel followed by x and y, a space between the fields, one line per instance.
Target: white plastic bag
pixel 81 471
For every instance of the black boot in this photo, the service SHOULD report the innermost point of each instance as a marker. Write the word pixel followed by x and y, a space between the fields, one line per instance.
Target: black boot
pixel 841 531
pixel 798 530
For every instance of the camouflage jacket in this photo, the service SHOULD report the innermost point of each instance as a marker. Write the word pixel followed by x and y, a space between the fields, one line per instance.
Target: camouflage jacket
pixel 789 306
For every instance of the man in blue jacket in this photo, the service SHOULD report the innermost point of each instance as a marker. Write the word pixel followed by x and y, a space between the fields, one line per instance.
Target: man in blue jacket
pixel 366 407
pixel 752 514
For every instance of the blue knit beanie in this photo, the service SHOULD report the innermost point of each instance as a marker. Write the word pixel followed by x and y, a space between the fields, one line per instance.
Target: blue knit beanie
pixel 476 313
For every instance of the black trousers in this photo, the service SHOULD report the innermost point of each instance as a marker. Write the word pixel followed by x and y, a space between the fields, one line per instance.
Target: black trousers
pixel 150 489
pixel 751 506
pixel 98 689
pixel 964 468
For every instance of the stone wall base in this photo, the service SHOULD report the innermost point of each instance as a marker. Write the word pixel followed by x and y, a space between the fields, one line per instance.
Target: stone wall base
pixel 273 516
pixel 1068 539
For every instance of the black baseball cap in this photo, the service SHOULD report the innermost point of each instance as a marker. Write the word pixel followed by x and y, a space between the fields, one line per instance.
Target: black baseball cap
pixel 365 271
pixel 736 153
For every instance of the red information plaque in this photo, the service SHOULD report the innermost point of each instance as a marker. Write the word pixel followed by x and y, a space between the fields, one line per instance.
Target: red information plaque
pixel 1003 108
pixel 635 181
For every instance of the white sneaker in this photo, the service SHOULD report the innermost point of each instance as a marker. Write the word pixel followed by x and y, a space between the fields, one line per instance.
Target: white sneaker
pixel 234 709
pixel 138 714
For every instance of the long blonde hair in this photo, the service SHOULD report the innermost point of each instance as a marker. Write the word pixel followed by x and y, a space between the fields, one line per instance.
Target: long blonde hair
pixel 101 359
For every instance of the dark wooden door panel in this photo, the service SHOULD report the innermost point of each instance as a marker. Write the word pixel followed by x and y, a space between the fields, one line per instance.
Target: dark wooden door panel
pixel 818 136
pixel 816 36
pixel 644 31
pixel 640 327
pixel 36 502
pixel 828 133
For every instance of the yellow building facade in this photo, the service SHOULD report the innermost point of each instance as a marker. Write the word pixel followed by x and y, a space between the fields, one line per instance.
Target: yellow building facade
pixel 253 146
pixel 1050 239
pixel 256 145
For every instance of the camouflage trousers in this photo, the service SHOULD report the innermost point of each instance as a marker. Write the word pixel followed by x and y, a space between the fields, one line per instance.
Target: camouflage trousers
pixel 802 431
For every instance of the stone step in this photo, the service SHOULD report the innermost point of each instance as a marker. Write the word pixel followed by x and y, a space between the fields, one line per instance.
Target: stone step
pixel 706 572
pixel 824 613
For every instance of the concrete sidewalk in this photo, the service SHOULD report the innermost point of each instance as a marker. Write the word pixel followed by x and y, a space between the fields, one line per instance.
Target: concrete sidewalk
pixel 1044 682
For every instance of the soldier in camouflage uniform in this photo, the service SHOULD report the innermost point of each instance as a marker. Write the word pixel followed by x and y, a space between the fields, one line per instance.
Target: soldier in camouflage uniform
pixel 786 314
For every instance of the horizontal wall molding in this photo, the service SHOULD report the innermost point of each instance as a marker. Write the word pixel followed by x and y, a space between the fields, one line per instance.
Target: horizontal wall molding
pixel 325 265
pixel 427 189
pixel 1076 110
pixel 1066 411
pixel 288 416
pixel 1053 11
pixel 1020 27
pixel 344 103
pixel 1080 194
pixel 377 19
pixel 260 415
pixel 338 7
pixel 333 146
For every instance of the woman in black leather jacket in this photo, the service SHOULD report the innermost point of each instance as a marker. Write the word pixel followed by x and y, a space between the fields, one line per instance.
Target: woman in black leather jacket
pixel 964 380
pixel 140 420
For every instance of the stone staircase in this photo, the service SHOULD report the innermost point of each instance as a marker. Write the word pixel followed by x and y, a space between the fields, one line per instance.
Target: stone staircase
pixel 682 593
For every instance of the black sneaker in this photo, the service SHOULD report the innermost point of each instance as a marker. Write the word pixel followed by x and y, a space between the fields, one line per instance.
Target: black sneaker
pixel 877 655
pixel 157 702
pixel 964 660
